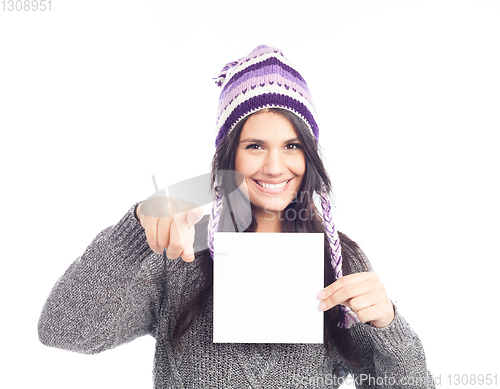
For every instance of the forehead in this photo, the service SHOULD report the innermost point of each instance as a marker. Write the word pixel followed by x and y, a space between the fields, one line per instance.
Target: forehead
pixel 268 126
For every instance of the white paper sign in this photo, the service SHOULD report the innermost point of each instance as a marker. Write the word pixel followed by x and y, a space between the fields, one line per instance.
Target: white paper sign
pixel 266 286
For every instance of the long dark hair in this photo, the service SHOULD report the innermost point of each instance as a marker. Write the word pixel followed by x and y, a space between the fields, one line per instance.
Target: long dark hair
pixel 315 177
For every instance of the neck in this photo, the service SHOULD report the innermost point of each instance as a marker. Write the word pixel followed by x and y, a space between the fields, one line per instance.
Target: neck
pixel 267 221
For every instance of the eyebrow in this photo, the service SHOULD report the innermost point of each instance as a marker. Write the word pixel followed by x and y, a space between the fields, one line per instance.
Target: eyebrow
pixel 254 140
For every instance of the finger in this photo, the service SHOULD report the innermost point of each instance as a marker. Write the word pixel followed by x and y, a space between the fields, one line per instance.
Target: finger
pixel 194 216
pixel 155 207
pixel 345 295
pixel 175 244
pixel 179 227
pixel 385 315
pixel 373 307
pixel 368 314
pixel 381 309
pixel 150 228
pixel 187 254
pixel 163 232
pixel 325 305
pixel 360 303
pixel 185 222
pixel 343 282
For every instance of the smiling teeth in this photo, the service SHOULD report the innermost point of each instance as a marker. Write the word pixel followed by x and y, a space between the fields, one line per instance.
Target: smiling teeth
pixel 272 186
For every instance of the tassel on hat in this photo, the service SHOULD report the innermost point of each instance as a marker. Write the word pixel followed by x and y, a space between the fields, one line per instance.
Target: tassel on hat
pixel 220 80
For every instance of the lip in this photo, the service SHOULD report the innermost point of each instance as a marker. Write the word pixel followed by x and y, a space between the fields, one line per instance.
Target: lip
pixel 274 191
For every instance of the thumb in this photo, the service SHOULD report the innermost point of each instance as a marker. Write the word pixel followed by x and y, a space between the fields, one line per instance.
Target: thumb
pixel 193 216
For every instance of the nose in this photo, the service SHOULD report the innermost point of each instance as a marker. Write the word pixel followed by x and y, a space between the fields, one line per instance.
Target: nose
pixel 274 163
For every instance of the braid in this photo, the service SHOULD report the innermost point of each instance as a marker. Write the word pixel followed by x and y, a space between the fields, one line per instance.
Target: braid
pixel 332 235
pixel 213 223
pixel 348 317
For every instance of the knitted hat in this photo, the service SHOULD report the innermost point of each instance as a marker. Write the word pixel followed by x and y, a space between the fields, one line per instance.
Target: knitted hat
pixel 265 79
pixel 262 79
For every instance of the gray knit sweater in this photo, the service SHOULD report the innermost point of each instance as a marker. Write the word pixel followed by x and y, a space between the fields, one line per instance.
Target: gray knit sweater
pixel 111 295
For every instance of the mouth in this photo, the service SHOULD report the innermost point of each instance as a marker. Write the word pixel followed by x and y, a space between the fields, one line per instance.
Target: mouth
pixel 272 188
pixel 268 185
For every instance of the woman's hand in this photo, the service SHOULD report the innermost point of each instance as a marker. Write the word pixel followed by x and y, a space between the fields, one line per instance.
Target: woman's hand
pixel 364 294
pixel 169 224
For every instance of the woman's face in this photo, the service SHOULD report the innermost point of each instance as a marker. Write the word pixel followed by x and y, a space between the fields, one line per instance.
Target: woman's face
pixel 271 158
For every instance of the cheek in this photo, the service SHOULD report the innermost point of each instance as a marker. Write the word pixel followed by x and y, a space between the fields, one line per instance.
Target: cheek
pixel 245 164
pixel 298 167
pixel 238 163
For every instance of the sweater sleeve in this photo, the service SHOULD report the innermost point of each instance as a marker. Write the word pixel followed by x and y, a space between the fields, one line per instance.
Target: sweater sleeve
pixel 389 357
pixel 108 296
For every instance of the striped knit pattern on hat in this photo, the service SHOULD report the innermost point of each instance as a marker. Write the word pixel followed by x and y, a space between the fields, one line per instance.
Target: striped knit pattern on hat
pixel 262 79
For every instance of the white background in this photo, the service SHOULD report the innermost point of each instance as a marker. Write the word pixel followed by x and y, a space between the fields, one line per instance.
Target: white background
pixel 96 96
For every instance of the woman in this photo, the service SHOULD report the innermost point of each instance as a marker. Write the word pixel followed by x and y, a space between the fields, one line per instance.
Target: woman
pixel 119 290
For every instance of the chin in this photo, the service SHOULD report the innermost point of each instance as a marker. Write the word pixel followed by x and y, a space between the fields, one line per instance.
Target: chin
pixel 271 207
pixel 268 203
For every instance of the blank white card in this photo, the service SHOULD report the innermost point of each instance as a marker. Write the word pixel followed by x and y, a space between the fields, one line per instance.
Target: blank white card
pixel 266 286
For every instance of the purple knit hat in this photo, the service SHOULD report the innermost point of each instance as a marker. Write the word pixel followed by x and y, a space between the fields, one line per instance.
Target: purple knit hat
pixel 265 79
pixel 262 79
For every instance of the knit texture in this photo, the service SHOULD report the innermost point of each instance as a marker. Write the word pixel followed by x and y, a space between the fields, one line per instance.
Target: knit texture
pixel 262 79
pixel 112 294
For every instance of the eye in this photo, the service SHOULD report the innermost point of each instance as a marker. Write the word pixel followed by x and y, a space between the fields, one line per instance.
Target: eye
pixel 293 146
pixel 253 146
